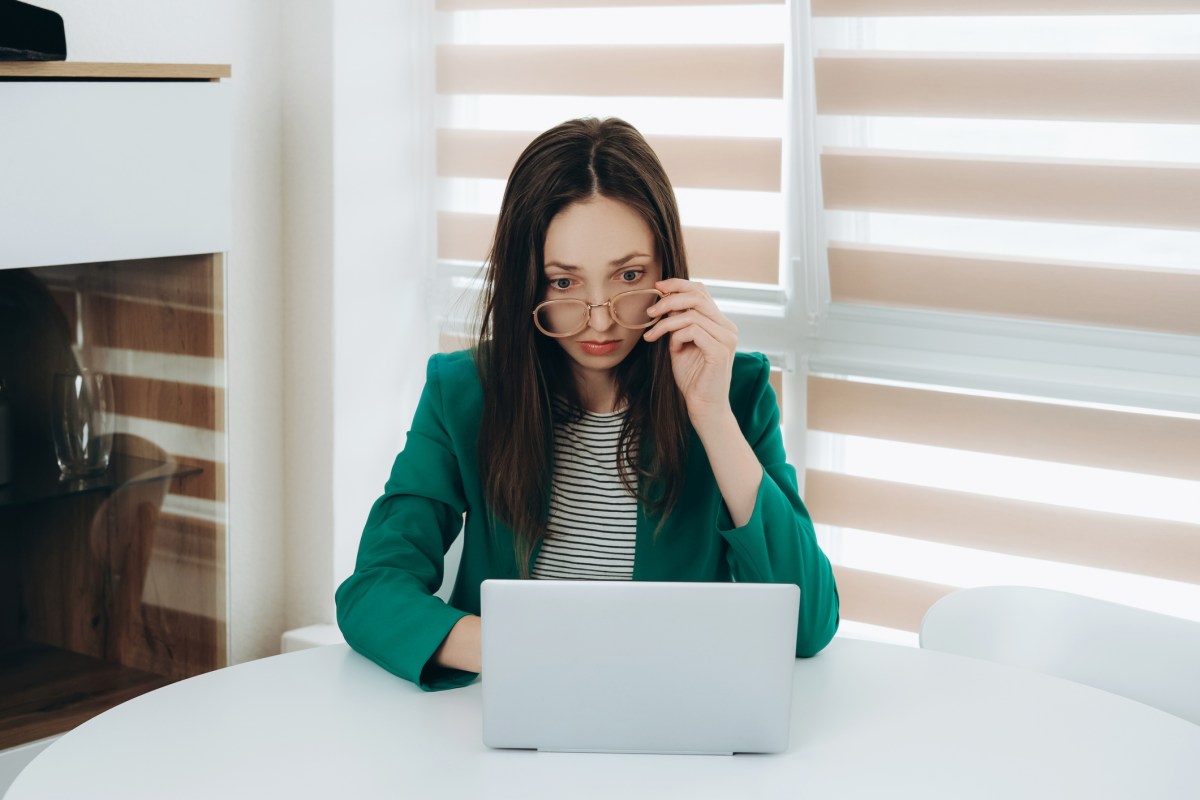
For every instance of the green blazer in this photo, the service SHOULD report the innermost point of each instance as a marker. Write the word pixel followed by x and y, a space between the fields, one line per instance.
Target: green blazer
pixel 387 609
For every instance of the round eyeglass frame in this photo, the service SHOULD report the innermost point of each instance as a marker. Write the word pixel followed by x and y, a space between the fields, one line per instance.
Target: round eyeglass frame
pixel 587 317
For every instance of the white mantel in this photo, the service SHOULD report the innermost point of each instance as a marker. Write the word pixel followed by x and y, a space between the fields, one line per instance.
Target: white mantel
pixel 100 170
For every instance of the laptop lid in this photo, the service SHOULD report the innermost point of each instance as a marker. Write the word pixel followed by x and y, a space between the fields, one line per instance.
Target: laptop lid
pixel 638 667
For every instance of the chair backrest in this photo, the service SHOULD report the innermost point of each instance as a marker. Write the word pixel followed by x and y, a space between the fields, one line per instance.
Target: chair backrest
pixel 1149 657
pixel 122 538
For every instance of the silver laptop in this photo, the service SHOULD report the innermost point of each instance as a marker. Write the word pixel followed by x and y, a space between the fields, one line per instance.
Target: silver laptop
pixel 638 667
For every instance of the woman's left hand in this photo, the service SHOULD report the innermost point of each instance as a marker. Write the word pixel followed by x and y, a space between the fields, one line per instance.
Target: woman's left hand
pixel 702 341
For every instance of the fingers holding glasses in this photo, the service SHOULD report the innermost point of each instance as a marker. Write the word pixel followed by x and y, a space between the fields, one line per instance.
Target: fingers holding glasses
pixel 680 321
pixel 683 295
pixel 699 336
pixel 689 303
pixel 702 343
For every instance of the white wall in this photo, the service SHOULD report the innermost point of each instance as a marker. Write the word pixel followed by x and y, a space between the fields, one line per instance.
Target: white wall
pixel 358 231
pixel 384 251
pixel 328 290
pixel 307 201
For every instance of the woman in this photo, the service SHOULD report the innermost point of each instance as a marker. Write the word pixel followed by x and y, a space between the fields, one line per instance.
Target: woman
pixel 603 427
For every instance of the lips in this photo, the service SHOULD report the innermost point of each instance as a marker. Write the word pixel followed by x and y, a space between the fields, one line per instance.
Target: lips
pixel 599 348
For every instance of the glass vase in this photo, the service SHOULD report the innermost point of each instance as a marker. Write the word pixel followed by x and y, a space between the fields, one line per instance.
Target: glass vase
pixel 82 422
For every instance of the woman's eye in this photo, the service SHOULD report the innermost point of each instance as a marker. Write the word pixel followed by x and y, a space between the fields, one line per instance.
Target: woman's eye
pixel 631 275
pixel 560 283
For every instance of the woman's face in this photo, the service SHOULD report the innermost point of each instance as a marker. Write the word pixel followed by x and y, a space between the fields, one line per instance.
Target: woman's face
pixel 595 249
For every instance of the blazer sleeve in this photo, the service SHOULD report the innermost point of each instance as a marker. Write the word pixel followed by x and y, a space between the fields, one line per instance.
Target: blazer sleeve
pixel 387 610
pixel 778 543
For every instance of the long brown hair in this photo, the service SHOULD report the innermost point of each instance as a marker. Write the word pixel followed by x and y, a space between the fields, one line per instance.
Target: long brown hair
pixel 520 369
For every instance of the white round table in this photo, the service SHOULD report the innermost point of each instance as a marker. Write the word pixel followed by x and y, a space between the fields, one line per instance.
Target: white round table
pixel 869 720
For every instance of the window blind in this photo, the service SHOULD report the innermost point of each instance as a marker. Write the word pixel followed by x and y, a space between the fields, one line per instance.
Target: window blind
pixel 1036 164
pixel 703 81
pixel 1001 490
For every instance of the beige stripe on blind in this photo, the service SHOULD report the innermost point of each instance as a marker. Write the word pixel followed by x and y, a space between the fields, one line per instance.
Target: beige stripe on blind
pixel 1096 294
pixel 1153 195
pixel 1158 548
pixel 713 253
pixel 463 5
pixel 614 70
pixel 732 255
pixel 1136 442
pixel 886 600
pixel 464 237
pixel 706 162
pixel 450 341
pixel 1135 88
pixel 963 8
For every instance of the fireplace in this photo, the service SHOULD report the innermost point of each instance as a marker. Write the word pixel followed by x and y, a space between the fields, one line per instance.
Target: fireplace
pixel 116 218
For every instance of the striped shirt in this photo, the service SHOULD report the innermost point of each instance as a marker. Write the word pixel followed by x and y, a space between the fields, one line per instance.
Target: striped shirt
pixel 593 518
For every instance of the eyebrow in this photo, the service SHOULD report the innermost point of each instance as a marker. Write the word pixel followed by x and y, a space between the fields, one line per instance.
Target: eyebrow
pixel 614 263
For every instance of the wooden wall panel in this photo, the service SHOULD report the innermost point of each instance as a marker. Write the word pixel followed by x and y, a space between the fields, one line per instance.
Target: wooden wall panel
pixel 208 485
pixel 141 325
pixel 45 691
pixel 91 582
pixel 63 565
pixel 169 401
pixel 186 282
pixel 190 539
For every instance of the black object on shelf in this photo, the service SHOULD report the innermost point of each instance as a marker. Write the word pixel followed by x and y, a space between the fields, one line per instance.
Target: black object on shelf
pixel 7 456
pixel 29 33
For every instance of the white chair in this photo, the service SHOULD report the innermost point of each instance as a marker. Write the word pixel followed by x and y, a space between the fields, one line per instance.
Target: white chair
pixel 1148 657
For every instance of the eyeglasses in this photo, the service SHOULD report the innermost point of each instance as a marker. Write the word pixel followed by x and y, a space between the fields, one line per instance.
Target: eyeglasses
pixel 568 316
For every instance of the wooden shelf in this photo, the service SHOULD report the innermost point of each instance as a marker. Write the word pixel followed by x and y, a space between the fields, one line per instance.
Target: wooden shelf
pixel 84 70
pixel 46 690
pixel 35 486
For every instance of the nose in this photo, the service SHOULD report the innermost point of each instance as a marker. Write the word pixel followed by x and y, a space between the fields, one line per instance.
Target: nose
pixel 600 320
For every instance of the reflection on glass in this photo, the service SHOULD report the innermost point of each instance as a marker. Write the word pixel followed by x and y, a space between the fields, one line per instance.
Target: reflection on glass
pixel 111 584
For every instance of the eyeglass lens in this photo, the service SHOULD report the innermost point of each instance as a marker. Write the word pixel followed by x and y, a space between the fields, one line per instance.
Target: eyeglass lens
pixel 568 316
